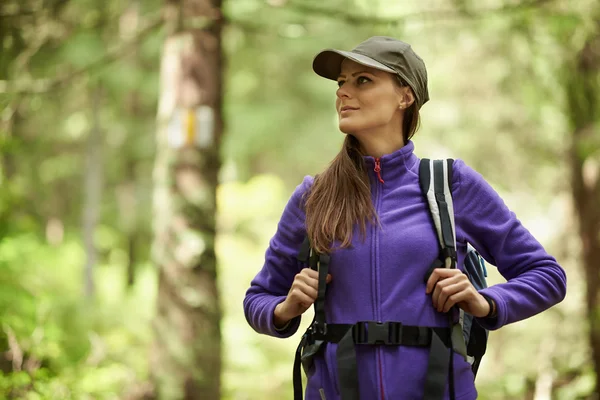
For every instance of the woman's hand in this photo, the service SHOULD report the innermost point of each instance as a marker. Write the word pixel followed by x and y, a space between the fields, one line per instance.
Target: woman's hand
pixel 301 296
pixel 451 286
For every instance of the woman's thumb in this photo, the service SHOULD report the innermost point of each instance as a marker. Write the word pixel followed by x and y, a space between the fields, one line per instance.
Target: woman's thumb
pixel 328 279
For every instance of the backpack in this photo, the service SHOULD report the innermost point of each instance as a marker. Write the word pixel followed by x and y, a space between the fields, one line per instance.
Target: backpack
pixel 465 336
pixel 435 179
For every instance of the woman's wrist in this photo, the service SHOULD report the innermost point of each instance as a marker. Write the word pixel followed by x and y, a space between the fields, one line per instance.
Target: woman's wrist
pixel 279 319
pixel 493 312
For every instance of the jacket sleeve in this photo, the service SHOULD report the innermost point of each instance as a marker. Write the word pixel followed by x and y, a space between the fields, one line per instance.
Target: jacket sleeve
pixel 534 280
pixel 272 283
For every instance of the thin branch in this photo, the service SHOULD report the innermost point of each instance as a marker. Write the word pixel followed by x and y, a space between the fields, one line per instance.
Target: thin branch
pixel 350 18
pixel 21 13
pixel 15 350
pixel 253 27
pixel 362 19
pixel 27 12
pixel 45 85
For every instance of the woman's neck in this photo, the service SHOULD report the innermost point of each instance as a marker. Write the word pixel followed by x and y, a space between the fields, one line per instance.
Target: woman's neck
pixel 377 146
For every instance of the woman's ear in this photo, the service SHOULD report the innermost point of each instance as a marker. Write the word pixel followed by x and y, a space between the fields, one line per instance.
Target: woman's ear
pixel 406 98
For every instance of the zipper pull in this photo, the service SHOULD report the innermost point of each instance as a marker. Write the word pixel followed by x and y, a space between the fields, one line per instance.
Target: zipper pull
pixel 378 169
pixel 322 393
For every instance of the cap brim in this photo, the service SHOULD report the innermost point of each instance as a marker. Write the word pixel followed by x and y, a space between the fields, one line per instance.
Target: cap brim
pixel 328 63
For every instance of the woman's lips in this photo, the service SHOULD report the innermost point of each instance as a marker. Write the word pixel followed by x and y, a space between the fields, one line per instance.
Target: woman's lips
pixel 346 109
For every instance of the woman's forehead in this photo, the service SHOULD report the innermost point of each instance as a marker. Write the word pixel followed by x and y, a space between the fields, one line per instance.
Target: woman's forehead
pixel 349 66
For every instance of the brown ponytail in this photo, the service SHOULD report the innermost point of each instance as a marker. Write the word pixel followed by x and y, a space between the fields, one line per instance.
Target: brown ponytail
pixel 340 197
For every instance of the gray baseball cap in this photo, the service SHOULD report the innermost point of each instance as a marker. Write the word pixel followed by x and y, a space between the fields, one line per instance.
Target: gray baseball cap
pixel 383 53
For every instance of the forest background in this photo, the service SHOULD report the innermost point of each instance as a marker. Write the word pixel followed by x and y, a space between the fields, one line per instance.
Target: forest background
pixel 147 149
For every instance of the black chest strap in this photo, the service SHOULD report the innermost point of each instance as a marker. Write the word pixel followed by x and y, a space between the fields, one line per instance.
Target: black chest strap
pixel 348 336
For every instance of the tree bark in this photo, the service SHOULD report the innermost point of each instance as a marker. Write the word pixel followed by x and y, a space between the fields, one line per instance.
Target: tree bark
pixel 583 99
pixel 187 353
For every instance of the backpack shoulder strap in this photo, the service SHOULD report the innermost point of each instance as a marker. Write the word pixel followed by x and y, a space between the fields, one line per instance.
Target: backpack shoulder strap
pixel 435 179
pixel 304 252
pixel 320 263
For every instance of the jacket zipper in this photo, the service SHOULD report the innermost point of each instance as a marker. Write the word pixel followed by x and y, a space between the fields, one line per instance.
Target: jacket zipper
pixel 381 376
pixel 377 170
pixel 322 393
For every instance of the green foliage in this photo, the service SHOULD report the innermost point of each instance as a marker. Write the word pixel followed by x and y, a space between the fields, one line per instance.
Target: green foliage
pixel 68 347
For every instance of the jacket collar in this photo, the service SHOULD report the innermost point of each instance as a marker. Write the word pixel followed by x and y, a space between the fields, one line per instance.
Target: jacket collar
pixel 397 162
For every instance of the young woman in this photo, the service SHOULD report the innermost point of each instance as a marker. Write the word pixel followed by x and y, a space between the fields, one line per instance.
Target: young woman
pixel 366 211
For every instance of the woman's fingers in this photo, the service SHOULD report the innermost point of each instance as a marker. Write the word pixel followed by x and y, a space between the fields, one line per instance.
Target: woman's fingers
pixel 305 288
pixel 442 284
pixel 308 279
pixel 299 296
pixel 448 287
pixel 446 292
pixel 311 277
pixel 440 274
pixel 307 282
pixel 457 298
pixel 302 294
pixel 455 294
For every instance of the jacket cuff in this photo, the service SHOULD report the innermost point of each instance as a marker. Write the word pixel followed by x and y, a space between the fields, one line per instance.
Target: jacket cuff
pixel 289 328
pixel 496 322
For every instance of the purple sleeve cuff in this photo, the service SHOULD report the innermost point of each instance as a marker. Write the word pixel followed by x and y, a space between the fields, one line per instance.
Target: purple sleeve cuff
pixel 500 319
pixel 288 330
pixel 260 316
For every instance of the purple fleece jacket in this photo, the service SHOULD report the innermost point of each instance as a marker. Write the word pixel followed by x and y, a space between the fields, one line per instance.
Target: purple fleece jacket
pixel 381 279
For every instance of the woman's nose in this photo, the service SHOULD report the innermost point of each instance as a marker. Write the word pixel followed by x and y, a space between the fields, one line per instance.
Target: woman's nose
pixel 342 92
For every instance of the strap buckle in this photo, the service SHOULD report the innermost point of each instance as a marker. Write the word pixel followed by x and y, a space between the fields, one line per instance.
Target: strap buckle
pixel 374 333
pixel 319 328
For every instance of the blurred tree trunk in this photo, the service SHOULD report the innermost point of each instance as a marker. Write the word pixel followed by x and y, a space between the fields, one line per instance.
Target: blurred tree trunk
pixel 545 371
pixel 128 201
pixel 187 354
pixel 92 191
pixel 131 224
pixel 583 99
pixel 7 128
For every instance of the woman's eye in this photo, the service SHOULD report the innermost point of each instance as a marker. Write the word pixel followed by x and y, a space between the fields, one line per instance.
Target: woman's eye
pixel 362 79
pixel 340 83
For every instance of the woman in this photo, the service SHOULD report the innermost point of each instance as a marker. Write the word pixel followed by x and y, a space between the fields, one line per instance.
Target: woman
pixel 367 212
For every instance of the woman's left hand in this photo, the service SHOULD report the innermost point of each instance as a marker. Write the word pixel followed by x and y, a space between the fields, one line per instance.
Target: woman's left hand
pixel 452 286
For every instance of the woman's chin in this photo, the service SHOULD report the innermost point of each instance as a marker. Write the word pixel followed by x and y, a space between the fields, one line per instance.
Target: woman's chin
pixel 346 127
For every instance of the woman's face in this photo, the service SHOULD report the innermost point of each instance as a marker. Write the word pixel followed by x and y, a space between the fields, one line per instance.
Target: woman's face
pixel 368 99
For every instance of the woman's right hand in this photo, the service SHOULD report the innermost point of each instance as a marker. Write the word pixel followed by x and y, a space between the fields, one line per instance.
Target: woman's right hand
pixel 301 296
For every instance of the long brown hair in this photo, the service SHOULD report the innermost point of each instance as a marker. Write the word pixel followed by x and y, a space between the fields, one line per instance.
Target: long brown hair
pixel 340 196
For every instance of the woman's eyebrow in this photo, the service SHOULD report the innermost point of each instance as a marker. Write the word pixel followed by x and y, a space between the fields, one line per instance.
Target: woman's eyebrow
pixel 356 73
